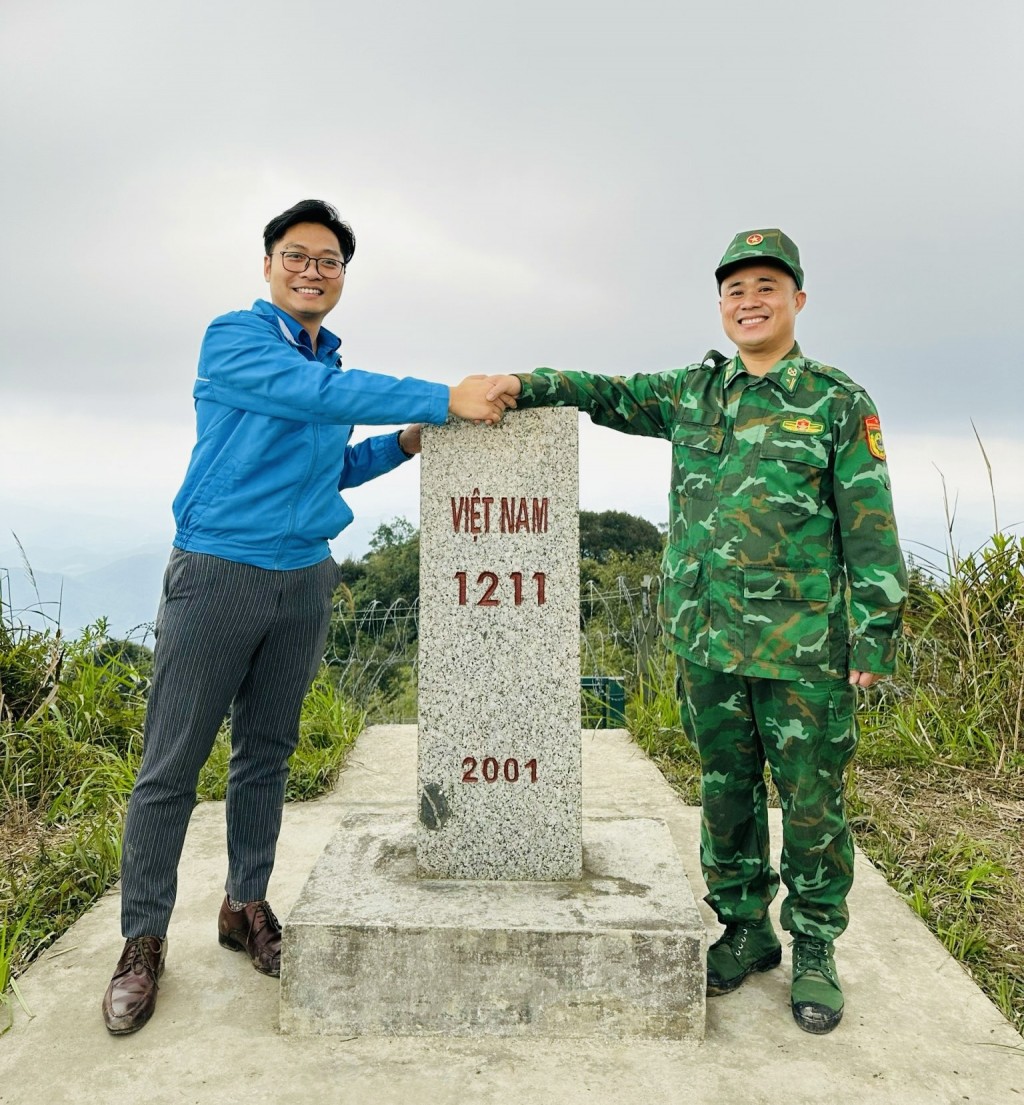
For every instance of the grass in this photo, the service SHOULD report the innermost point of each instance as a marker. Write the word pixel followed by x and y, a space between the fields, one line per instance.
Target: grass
pixel 71 716
pixel 653 718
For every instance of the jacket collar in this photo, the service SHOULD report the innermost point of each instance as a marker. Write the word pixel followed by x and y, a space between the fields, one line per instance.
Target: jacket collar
pixel 293 331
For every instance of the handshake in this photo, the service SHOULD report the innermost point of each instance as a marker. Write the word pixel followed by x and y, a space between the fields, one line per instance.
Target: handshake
pixel 478 399
pixel 484 398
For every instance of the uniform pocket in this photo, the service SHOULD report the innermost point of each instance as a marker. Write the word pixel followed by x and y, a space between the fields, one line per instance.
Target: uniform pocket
pixel 678 606
pixel 791 469
pixel 696 455
pixel 785 615
pixel 842 702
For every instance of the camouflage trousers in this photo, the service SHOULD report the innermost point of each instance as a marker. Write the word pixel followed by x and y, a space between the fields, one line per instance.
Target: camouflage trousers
pixel 807 733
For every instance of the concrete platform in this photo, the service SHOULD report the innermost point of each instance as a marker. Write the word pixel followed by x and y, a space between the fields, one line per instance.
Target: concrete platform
pixel 370 948
pixel 917 1031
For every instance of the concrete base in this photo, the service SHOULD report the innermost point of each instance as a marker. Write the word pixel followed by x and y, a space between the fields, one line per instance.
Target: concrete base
pixel 370 949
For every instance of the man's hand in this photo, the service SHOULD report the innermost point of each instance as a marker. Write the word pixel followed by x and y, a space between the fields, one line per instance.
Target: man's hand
pixel 409 439
pixel 504 389
pixel 863 678
pixel 469 399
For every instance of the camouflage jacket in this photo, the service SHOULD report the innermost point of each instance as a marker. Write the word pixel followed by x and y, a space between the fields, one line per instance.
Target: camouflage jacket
pixel 782 560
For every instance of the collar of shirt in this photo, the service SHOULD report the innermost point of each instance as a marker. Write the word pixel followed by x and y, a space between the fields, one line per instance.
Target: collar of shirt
pixel 785 373
pixel 327 344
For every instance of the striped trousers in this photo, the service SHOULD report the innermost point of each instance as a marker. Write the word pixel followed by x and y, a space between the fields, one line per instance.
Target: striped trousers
pixel 228 636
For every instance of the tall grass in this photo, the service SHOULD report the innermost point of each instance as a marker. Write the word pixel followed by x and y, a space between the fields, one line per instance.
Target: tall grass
pixel 71 715
pixel 958 695
pixel 654 718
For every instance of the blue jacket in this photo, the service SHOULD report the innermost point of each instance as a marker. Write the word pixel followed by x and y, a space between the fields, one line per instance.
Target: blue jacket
pixel 273 423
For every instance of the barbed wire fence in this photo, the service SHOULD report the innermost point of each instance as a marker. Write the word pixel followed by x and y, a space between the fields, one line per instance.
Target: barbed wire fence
pixel 374 657
pixel 374 651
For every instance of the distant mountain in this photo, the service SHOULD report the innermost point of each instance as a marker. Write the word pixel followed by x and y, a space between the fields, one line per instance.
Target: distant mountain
pixel 81 583
pixel 125 592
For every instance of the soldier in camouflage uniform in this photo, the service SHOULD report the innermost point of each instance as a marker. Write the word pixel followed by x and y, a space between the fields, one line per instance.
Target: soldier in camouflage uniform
pixel 783 591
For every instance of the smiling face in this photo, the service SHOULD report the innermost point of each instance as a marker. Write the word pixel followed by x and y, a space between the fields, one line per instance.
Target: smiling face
pixel 306 296
pixel 759 304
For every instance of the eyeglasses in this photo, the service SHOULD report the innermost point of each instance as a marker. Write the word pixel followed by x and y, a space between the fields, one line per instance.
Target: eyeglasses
pixel 330 268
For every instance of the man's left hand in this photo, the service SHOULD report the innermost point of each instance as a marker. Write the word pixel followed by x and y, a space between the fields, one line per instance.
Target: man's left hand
pixel 409 439
pixel 863 678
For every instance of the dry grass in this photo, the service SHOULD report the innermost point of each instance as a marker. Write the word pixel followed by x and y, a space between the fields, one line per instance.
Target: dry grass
pixel 951 841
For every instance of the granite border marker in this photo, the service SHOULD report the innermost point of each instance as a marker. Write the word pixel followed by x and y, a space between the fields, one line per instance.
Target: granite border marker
pixel 500 789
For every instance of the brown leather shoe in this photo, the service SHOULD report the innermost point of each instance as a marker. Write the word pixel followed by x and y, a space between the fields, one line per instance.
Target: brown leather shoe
pixel 253 929
pixel 131 996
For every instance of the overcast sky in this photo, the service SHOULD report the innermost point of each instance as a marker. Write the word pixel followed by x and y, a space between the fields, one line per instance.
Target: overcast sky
pixel 538 182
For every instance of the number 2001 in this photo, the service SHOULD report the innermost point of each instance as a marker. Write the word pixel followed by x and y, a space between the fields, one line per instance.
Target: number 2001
pixel 491 770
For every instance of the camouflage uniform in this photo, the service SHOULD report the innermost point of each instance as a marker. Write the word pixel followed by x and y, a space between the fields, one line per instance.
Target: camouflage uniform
pixel 782 571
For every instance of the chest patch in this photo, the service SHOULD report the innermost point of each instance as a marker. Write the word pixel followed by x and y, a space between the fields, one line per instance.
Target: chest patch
pixel 803 426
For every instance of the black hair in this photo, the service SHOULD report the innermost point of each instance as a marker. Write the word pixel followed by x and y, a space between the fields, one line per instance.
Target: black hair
pixel 310 211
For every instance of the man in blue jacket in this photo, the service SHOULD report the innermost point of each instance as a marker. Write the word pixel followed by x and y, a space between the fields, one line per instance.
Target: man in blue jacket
pixel 246 599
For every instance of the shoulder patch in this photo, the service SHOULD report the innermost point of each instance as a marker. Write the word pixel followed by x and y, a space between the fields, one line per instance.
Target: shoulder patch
pixel 873 429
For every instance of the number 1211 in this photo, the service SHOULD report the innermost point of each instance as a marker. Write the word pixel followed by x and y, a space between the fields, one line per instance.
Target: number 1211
pixel 490 582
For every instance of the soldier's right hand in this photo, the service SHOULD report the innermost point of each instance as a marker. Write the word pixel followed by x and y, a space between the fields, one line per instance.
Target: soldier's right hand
pixel 504 389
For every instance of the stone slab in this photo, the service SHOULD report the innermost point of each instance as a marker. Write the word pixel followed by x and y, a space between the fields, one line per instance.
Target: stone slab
pixel 499 781
pixel 370 949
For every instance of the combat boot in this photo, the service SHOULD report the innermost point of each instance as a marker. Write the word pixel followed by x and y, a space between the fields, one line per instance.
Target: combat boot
pixel 744 947
pixel 816 996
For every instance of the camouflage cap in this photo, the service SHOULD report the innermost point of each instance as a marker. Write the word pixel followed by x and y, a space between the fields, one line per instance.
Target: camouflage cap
pixel 762 245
